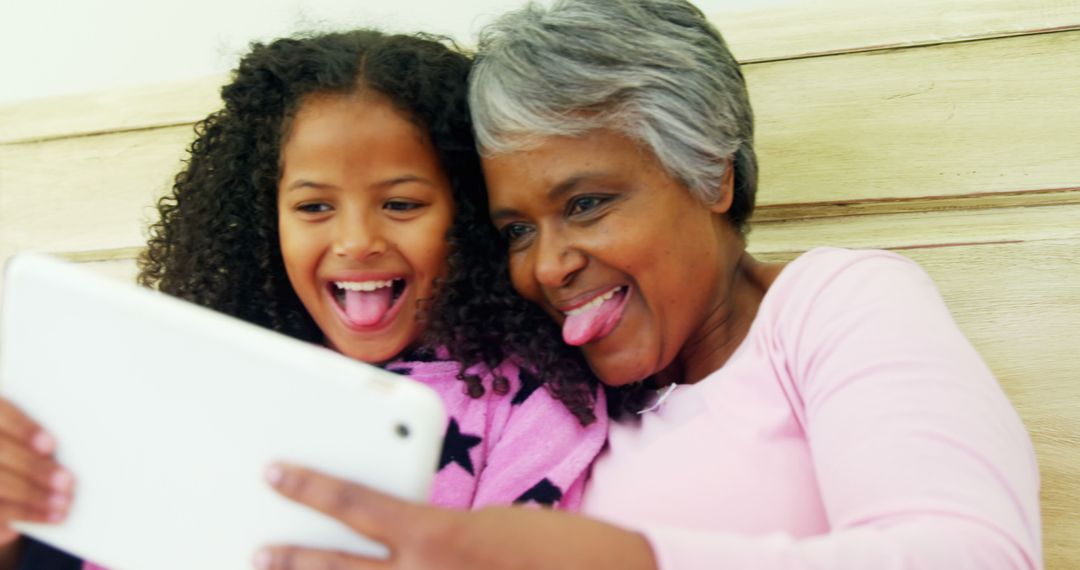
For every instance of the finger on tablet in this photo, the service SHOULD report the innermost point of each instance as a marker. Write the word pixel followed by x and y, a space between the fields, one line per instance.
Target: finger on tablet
pixel 18 493
pixel 19 427
pixel 293 558
pixel 41 471
pixel 365 510
pixel 15 512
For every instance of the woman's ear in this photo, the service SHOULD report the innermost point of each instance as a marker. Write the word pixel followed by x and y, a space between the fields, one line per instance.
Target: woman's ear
pixel 727 189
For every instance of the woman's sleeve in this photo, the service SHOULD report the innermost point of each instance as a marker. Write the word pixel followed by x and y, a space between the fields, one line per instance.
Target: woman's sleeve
pixel 921 460
pixel 543 454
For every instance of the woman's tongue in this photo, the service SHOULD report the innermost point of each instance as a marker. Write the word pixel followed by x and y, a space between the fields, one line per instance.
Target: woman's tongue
pixel 591 324
pixel 366 308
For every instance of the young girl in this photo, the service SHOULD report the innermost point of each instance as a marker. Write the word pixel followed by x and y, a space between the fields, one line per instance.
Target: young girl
pixel 335 199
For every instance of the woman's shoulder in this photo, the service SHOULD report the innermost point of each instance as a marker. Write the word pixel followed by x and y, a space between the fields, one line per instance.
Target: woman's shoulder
pixel 812 276
pixel 829 285
pixel 826 262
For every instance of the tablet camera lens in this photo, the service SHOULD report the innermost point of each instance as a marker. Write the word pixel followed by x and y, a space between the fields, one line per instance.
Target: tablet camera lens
pixel 402 430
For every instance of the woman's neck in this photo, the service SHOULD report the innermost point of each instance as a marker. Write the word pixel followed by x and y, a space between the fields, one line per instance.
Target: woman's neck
pixel 727 323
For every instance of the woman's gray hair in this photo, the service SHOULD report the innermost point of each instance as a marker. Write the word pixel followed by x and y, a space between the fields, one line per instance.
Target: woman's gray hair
pixel 654 70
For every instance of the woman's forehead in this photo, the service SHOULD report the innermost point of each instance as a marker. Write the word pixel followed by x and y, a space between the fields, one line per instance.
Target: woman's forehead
pixel 553 158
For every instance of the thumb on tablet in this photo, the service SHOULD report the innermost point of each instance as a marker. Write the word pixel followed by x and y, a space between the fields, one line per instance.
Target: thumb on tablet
pixel 373 514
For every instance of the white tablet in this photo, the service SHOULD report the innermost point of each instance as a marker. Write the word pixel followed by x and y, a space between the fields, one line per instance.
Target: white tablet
pixel 168 415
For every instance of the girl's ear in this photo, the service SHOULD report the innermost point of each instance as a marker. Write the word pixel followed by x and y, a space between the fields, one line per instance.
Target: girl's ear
pixel 727 189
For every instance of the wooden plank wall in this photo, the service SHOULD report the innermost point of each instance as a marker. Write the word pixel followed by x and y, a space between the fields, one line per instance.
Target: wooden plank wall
pixel 943 129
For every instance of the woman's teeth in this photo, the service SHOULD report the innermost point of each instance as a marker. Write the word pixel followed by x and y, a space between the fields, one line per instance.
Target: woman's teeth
pixel 596 302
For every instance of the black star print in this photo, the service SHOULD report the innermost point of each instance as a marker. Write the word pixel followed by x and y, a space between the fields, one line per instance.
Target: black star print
pixel 421 354
pixel 456 446
pixel 403 370
pixel 542 493
pixel 529 384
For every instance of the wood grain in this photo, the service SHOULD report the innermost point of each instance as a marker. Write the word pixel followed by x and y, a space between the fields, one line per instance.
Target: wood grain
pixel 904 231
pixel 149 106
pixel 811 27
pixel 86 192
pixel 949 120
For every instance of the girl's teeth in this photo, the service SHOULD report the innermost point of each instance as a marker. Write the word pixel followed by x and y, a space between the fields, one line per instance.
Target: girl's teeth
pixel 362 285
pixel 596 302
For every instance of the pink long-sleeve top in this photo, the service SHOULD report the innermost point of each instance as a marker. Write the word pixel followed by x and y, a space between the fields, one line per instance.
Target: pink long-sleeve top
pixel 854 428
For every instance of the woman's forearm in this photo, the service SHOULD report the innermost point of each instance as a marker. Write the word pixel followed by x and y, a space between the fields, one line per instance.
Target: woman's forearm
pixel 419 536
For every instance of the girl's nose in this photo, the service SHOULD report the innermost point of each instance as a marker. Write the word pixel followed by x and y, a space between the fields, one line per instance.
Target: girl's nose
pixel 358 239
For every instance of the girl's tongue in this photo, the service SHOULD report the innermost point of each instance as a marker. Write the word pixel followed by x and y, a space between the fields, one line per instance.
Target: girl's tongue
pixel 365 308
pixel 593 322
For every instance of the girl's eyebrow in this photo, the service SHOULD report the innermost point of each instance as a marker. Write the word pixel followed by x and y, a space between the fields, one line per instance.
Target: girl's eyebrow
pixel 304 183
pixel 389 183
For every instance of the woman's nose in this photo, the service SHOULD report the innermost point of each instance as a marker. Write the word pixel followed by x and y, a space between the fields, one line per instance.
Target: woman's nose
pixel 557 261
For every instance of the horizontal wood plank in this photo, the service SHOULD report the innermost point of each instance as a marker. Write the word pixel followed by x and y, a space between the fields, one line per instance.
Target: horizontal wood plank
pixel 88 192
pixel 983 117
pixel 810 210
pixel 150 106
pixel 906 231
pixel 812 27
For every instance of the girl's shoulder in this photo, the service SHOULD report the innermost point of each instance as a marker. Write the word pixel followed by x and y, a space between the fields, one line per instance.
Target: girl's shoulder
pixel 477 384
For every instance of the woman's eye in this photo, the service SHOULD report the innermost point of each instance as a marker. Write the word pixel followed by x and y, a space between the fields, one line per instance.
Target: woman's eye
pixel 313 207
pixel 514 233
pixel 401 206
pixel 585 204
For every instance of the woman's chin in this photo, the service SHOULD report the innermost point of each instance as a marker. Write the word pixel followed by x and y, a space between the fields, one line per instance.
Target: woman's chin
pixel 615 372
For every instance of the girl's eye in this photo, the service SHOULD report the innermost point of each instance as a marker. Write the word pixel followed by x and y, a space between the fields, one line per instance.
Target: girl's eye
pixel 314 207
pixel 401 206
pixel 584 204
pixel 516 233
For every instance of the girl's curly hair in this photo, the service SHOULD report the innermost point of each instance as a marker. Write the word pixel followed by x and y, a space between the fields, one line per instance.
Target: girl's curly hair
pixel 216 242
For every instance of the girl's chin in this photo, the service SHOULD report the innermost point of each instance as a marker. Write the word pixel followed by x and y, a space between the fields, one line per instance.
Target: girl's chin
pixel 371 352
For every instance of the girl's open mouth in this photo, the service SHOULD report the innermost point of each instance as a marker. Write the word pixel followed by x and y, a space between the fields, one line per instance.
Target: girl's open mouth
pixel 366 303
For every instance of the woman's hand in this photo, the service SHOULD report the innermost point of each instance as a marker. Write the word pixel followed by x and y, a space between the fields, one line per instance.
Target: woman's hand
pixel 33 487
pixel 420 536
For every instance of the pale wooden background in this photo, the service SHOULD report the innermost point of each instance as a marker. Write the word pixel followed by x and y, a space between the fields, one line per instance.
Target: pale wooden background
pixel 948 130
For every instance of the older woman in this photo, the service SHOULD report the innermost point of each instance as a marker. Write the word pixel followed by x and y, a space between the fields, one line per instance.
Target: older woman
pixel 823 414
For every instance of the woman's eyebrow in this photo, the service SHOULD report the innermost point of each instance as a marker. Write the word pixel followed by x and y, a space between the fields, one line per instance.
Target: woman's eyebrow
pixel 405 179
pixel 570 184
pixel 556 193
